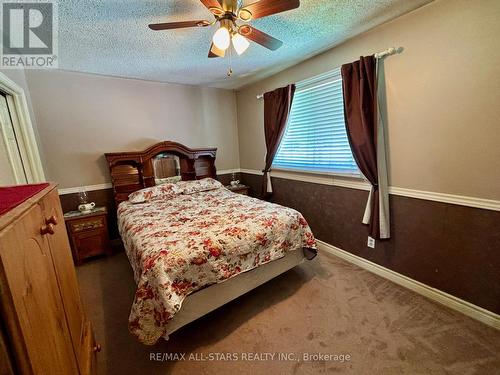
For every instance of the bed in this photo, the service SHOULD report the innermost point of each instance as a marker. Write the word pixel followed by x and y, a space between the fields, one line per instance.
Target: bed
pixel 194 244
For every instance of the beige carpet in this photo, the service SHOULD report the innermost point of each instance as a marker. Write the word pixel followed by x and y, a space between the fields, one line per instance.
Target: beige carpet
pixel 323 306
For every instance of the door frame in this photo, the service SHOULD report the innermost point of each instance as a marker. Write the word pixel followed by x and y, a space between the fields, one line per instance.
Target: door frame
pixel 21 121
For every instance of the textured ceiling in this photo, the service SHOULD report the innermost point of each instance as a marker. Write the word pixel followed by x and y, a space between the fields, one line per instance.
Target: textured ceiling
pixel 111 37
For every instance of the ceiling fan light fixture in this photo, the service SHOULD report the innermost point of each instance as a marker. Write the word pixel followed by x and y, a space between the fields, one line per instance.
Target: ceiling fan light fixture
pixel 231 20
pixel 221 38
pixel 240 43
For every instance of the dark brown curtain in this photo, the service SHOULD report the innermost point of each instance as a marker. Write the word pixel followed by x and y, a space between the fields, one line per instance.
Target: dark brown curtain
pixel 360 103
pixel 277 104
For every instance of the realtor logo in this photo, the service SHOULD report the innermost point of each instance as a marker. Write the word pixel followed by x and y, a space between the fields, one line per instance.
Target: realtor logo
pixel 29 34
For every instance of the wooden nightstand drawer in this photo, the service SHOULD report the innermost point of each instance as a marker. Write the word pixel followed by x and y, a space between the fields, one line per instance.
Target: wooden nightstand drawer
pixel 88 234
pixel 90 243
pixel 86 224
pixel 239 189
pixel 243 191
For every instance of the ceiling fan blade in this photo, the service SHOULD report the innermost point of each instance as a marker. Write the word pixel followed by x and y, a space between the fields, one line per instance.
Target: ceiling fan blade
pixel 178 25
pixel 215 52
pixel 213 6
pixel 264 8
pixel 260 37
pixel 211 3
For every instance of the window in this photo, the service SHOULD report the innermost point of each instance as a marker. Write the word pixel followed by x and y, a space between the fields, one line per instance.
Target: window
pixel 315 138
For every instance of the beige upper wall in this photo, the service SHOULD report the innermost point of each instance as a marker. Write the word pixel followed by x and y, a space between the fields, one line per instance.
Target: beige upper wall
pixel 82 116
pixel 443 97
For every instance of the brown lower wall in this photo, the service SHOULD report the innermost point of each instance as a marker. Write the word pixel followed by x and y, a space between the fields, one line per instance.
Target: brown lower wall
pixel 449 247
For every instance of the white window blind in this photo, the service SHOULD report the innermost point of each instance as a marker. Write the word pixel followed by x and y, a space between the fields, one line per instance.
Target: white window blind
pixel 315 138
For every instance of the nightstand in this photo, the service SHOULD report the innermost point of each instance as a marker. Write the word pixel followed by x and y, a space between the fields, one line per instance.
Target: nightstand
pixel 88 233
pixel 239 189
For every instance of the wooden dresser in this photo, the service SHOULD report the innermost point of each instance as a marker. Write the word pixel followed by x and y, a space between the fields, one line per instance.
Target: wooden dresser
pixel 43 328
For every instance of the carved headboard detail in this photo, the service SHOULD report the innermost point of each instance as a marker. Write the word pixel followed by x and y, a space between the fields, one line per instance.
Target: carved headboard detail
pixel 132 171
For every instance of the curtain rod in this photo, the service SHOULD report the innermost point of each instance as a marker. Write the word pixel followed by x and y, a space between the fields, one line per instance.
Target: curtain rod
pixel 378 55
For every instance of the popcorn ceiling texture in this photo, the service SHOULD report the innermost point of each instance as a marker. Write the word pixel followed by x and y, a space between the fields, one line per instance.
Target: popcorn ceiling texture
pixel 111 37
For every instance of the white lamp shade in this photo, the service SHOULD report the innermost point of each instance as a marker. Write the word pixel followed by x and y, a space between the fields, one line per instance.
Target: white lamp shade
pixel 222 38
pixel 240 43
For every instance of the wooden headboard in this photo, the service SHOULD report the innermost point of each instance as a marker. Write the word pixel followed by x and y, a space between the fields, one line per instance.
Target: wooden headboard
pixel 132 171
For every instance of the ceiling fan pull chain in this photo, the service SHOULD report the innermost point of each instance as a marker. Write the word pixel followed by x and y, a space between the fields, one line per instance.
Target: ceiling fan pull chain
pixel 230 70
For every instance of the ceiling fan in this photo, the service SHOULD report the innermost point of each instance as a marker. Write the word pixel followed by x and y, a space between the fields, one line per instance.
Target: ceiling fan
pixel 227 13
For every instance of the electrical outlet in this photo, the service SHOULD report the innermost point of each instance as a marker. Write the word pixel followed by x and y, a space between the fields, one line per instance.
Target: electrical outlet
pixel 371 242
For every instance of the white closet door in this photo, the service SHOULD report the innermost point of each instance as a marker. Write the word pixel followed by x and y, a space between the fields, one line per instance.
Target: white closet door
pixel 11 165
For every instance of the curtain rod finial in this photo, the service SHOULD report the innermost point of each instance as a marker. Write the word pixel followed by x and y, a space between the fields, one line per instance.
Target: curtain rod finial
pixel 388 51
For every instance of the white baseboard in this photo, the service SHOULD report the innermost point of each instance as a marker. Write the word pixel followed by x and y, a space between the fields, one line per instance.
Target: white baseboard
pixel 227 171
pixel 108 185
pixel 77 189
pixel 360 184
pixel 353 183
pixel 467 308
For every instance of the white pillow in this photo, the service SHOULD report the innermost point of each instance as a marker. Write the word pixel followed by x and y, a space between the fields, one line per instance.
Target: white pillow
pixel 195 186
pixel 163 191
pixel 168 180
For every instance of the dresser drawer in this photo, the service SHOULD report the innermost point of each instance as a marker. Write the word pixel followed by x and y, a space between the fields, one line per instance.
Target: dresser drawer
pixel 86 224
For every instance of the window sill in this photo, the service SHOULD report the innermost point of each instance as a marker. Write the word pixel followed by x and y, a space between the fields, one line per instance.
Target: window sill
pixel 353 181
pixel 352 176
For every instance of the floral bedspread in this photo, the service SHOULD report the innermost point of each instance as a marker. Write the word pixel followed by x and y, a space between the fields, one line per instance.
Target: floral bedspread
pixel 179 245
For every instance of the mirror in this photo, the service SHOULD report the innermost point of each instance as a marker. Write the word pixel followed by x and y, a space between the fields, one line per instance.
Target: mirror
pixel 166 168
